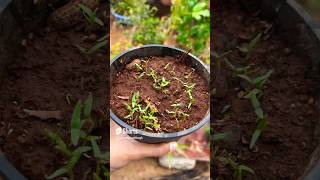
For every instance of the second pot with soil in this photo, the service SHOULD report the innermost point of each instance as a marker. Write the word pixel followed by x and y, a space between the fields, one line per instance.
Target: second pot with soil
pixel 159 93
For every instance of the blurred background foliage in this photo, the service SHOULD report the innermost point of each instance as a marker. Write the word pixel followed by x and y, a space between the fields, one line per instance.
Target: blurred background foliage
pixel 185 24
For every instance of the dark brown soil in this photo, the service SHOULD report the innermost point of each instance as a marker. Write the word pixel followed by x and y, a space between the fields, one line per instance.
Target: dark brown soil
pixel 283 150
pixel 125 84
pixel 49 70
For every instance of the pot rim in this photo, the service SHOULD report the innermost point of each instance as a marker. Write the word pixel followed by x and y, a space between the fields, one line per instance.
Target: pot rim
pixel 204 120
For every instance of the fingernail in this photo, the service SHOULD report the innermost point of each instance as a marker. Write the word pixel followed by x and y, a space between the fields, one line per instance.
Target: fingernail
pixel 173 146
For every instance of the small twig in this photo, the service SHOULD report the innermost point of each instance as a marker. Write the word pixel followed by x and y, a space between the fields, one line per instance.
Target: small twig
pixel 184 54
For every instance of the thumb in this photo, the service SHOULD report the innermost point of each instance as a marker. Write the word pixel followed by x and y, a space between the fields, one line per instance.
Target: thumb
pixel 157 150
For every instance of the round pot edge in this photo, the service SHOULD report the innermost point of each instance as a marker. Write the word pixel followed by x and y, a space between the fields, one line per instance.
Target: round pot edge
pixel 201 123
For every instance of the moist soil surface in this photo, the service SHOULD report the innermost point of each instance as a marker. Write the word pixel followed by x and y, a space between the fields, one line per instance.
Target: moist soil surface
pixel 125 84
pixel 49 71
pixel 284 149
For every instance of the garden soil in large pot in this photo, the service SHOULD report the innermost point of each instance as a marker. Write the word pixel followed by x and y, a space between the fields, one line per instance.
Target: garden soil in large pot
pixel 49 74
pixel 285 146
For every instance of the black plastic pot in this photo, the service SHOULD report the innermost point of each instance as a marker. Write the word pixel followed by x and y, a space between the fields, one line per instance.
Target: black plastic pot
pixel 118 64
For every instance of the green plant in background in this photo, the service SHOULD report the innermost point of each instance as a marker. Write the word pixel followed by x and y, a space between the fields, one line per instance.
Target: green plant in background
pixel 147 27
pixel 148 32
pixel 191 21
pixel 122 7
pixel 238 169
pixel 247 49
pixel 91 17
pixel 82 143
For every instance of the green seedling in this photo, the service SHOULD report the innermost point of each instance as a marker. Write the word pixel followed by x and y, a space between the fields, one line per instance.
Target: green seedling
pixel 146 115
pixel 239 70
pixel 262 124
pixel 91 17
pixel 178 114
pixel 73 159
pixel 262 119
pixel 257 82
pixel 221 136
pixel 218 58
pixel 139 67
pixel 238 169
pixel 153 75
pixel 134 107
pixel 162 83
pixel 253 96
pixel 158 83
pixel 139 76
pixel 248 48
pixel 100 44
pixel 80 140
pixel 188 89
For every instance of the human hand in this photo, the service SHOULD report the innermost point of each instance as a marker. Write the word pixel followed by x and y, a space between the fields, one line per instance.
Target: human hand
pixel 124 149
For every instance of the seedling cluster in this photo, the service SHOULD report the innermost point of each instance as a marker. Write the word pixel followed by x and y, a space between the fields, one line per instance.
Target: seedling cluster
pixel 91 17
pixel 253 90
pixel 146 115
pixel 82 143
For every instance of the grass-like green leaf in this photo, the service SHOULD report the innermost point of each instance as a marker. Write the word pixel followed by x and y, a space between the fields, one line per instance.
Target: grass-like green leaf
pixel 255 137
pixel 252 45
pixel 59 143
pixel 221 136
pixel 259 81
pixel 87 107
pixel 76 123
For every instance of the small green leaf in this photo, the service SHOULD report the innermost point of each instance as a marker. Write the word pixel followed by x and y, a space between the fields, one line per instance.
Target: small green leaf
pixel 246 168
pixel 221 136
pixel 70 165
pixel 259 113
pixel 255 137
pixel 259 81
pixel 76 123
pixel 80 150
pixel 245 77
pixel 87 108
pixel 59 143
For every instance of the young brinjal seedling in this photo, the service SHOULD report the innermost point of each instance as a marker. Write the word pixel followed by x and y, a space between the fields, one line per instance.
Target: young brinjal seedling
pixel 158 83
pixel 253 96
pixel 188 89
pixel 219 57
pixel 258 82
pixel 238 169
pixel 80 136
pixel 239 70
pixel 262 124
pixel 262 119
pixel 91 17
pixel 248 48
pixel 146 115
pixel 102 42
